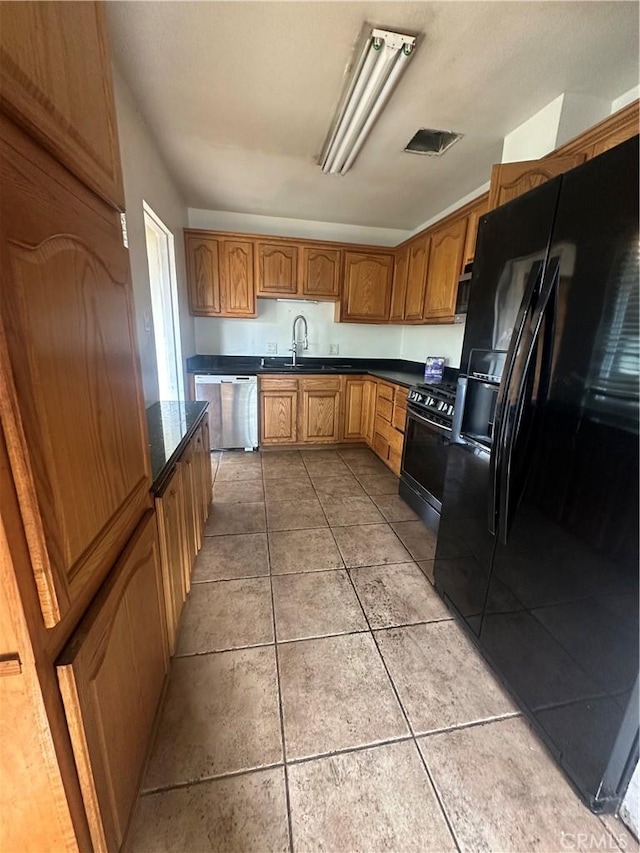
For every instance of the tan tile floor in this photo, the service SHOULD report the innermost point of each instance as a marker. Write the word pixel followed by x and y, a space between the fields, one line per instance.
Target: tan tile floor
pixel 322 698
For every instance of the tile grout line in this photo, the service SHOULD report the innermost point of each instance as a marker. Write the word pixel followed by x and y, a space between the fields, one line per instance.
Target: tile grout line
pixel 408 721
pixel 230 774
pixel 280 704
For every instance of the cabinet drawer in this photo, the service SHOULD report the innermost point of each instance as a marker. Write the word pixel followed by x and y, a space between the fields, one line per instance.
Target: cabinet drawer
pixel 399 418
pixel 395 462
pixel 380 446
pixel 396 440
pixel 278 383
pixel 384 409
pixel 400 397
pixel 111 676
pixel 383 427
pixel 385 391
pixel 320 383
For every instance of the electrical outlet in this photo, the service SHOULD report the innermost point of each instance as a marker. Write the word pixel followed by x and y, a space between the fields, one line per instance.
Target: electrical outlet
pixel 334 349
pixel 272 348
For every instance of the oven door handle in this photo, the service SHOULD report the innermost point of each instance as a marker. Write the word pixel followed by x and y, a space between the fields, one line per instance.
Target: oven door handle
pixel 441 428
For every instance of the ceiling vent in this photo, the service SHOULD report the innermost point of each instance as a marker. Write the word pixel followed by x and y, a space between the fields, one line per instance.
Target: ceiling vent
pixel 432 142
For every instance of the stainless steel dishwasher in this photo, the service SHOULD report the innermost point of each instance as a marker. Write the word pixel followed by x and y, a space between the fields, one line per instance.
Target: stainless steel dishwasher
pixel 233 409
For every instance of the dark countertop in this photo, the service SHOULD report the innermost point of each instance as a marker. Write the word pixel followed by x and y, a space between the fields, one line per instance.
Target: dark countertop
pixel 170 425
pixel 395 370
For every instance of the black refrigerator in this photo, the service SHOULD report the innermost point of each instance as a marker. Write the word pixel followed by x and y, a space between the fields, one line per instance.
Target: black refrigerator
pixel 537 551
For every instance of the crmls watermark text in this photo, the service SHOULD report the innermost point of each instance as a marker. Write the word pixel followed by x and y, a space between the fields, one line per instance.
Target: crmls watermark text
pixel 586 841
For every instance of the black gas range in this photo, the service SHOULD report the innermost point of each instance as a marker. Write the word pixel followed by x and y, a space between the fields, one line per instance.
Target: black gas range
pixel 429 430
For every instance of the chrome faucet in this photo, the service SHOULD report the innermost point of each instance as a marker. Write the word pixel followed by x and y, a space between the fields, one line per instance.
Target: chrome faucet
pixel 294 345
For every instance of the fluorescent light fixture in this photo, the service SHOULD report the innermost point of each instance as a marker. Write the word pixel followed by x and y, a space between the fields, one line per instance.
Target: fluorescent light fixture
pixel 376 73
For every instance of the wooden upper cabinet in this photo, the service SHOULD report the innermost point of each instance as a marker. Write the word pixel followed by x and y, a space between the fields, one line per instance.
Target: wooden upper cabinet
pixel 608 133
pixel 202 275
pixel 399 290
pixel 276 269
pixel 55 82
pixel 220 275
pixel 367 287
pixel 509 180
pixel 237 285
pixel 111 676
pixel 321 272
pixel 417 279
pixel 478 210
pixel 445 262
pixel 73 412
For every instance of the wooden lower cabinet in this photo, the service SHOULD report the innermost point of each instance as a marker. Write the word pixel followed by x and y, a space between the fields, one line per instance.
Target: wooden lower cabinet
pixel 278 410
pixel 389 424
pixel 355 408
pixel 174 550
pixel 319 411
pixel 111 677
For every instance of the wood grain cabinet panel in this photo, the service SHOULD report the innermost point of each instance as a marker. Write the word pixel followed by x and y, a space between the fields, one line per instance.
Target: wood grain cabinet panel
pixel 473 221
pixel 175 558
pixel 237 284
pixel 202 275
pixel 355 409
pixel 193 527
pixel 276 269
pixel 417 279
pixel 55 81
pixel 111 676
pixel 445 263
pixel 399 289
pixel 72 408
pixel 278 417
pixel 319 415
pixel 509 180
pixel 321 272
pixel 367 287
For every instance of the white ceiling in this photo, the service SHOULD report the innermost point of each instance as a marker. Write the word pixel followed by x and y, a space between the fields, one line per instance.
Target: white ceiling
pixel 240 95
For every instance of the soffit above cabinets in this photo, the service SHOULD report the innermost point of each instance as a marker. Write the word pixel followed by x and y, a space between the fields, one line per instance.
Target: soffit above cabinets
pixel 239 95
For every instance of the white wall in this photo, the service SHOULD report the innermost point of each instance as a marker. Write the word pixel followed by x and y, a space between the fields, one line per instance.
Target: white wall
pixel 147 178
pixel 274 324
pixel 622 100
pixel 223 220
pixel 420 341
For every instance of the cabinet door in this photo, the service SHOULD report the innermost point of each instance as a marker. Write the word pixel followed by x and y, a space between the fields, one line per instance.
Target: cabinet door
pixel 193 527
pixel 445 262
pixel 111 676
pixel 367 287
pixel 171 517
pixel 416 279
pixel 509 180
pixel 354 409
pixel 321 269
pixel 202 275
pixel 319 413
pixel 399 290
pixel 207 482
pixel 473 221
pixel 370 408
pixel 276 269
pixel 55 81
pixel 237 286
pixel 278 410
pixel 72 408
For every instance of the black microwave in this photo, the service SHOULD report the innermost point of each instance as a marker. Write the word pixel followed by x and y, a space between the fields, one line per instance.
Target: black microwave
pixel 462 298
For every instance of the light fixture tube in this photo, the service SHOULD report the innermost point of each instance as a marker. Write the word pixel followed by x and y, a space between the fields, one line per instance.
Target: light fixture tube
pixel 381 63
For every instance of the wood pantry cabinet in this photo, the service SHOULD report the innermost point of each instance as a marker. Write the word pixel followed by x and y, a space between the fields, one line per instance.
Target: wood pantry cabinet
pixel 220 275
pixel 111 678
pixel 55 81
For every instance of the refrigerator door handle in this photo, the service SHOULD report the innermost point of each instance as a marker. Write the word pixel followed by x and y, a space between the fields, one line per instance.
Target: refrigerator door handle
pixel 515 398
pixel 534 280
